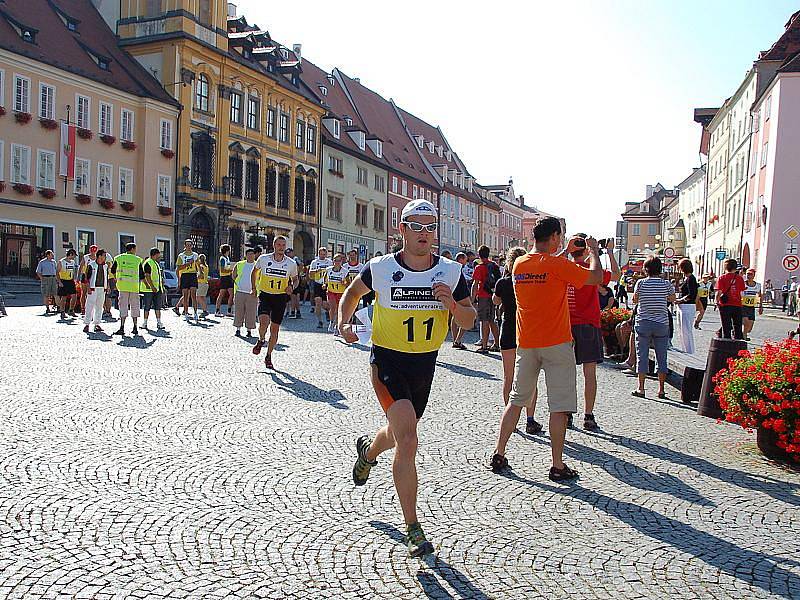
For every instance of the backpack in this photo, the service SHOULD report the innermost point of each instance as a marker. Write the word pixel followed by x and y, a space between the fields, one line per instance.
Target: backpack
pixel 492 278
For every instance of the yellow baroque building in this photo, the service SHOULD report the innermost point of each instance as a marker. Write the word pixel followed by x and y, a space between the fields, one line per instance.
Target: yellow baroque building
pixel 248 141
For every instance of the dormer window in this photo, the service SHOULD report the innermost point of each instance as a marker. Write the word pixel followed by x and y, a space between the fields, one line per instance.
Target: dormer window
pixel 348 121
pixel 431 147
pixel 420 141
pixel 102 63
pixel 72 26
pixel 333 125
pixel 359 137
pixel 323 90
pixel 29 35
pixel 439 151
pixel 376 146
pixel 331 80
pixel 449 155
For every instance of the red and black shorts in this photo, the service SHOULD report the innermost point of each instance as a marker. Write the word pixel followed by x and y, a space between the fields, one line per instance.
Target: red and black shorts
pixel 402 376
pixel 273 305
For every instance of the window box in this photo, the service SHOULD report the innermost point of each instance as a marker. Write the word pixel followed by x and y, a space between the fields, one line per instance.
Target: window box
pixel 47 193
pixel 106 203
pixel 84 134
pixel 127 145
pixel 2 111
pixel 83 198
pixel 48 123
pixel 165 210
pixel 22 117
pixel 127 206
pixel 108 139
pixel 168 153
pixel 23 188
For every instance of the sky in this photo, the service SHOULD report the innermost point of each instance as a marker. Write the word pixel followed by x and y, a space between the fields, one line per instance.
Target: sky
pixel 584 102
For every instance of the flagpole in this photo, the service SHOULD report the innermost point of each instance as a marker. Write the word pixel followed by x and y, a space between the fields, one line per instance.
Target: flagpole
pixel 66 177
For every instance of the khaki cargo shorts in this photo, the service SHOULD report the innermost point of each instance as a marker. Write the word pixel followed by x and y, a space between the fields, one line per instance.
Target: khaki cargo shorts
pixel 558 363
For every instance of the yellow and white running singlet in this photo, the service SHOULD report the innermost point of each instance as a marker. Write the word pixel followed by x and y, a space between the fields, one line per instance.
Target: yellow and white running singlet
pixel 274 276
pixel 407 318
pixel 336 281
pixel 317 269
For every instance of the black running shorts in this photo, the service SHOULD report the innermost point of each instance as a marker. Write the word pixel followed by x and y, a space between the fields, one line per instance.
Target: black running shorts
pixel 402 376
pixel 273 305
pixel 317 291
pixel 188 281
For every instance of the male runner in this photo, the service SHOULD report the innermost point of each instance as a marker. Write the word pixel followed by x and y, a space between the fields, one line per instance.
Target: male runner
pixel 316 272
pixel 354 267
pixel 186 267
pixel 703 292
pixel 273 279
pixel 225 294
pixel 335 285
pixel 294 306
pixel 415 293
pixel 66 270
pixel 751 297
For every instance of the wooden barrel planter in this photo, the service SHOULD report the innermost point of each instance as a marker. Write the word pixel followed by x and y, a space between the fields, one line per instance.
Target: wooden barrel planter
pixel 766 439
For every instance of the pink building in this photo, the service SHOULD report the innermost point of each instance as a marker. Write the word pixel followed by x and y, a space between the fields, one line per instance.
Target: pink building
pixel 772 206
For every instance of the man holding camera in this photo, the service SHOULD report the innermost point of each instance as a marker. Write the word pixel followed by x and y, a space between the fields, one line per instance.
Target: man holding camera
pixel 584 316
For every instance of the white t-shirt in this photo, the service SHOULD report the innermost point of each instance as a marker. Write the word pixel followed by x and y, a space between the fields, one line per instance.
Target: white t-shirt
pixel 244 272
pixel 275 275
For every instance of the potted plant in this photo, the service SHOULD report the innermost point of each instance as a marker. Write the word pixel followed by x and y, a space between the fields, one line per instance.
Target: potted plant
pixel 167 152
pixel 127 206
pixel 83 198
pixel 83 133
pixel 48 123
pixel 165 210
pixel 107 203
pixel 108 139
pixel 22 117
pixel 128 145
pixel 23 188
pixel 47 193
pixel 609 319
pixel 761 390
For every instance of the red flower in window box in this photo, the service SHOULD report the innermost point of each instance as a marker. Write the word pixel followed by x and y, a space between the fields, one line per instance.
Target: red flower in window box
pixel 165 210
pixel 23 188
pixel 108 139
pixel 106 203
pixel 47 193
pixel 128 145
pixel 83 198
pixel 127 206
pixel 48 123
pixel 2 111
pixel 167 152
pixel 22 117
pixel 84 134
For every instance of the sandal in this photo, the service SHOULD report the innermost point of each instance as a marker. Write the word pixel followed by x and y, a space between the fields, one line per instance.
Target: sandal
pixel 564 474
pixel 637 393
pixel 662 396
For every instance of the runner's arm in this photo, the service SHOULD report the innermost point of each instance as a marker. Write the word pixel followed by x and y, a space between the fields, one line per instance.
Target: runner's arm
pixel 253 280
pixel 350 298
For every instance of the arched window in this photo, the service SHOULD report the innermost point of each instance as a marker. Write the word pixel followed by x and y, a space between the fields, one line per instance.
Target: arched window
pixel 201 93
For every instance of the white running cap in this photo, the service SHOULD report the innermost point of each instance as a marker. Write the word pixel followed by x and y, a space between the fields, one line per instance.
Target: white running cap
pixel 417 208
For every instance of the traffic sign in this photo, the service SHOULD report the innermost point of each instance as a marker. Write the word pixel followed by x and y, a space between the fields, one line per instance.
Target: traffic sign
pixel 669 252
pixel 791 232
pixel 791 262
pixel 722 254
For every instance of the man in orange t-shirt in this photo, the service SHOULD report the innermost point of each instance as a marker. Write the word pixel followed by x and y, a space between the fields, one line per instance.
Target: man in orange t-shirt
pixel 544 337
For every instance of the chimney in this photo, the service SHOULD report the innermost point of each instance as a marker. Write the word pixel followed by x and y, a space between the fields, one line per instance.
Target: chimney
pixel 298 50
pixel 231 10
pixel 357 79
pixel 648 192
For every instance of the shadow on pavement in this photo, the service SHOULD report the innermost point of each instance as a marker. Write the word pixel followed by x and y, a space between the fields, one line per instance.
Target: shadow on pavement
pixel 136 341
pixel 754 568
pixel 777 489
pixel 466 371
pixel 430 585
pixel 307 391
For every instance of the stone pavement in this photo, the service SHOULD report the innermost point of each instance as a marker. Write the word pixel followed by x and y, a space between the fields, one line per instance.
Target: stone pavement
pixel 175 466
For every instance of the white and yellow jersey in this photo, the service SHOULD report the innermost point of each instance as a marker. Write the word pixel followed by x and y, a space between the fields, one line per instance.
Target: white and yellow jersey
pixel 407 318
pixel 352 270
pixel 751 294
pixel 318 267
pixel 274 276
pixel 336 281
pixel 187 260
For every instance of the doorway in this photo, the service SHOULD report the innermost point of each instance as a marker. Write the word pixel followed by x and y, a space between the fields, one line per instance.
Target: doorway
pixel 18 255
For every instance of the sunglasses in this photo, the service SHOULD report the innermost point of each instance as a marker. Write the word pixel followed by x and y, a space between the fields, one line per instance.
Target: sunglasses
pixel 431 227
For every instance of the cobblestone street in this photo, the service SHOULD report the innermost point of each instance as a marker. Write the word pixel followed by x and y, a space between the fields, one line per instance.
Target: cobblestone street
pixel 176 466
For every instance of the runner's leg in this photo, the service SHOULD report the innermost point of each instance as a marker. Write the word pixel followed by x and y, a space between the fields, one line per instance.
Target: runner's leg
pixel 403 424
pixel 589 386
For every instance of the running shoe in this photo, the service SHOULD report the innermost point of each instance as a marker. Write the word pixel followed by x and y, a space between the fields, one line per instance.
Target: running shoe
pixel 589 422
pixel 268 362
pixel 416 542
pixel 533 427
pixel 135 331
pixel 498 464
pixel 176 311
pixel 362 467
pixel 86 329
pixel 98 329
pixel 238 333
pixel 257 347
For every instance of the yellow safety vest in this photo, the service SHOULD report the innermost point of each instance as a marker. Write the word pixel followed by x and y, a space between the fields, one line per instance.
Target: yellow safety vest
pixel 155 277
pixel 128 272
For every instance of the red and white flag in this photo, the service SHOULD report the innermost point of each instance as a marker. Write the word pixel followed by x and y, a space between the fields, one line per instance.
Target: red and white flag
pixel 66 167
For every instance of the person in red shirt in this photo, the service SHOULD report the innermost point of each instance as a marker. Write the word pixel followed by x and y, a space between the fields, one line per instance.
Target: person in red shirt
pixel 484 278
pixel 584 316
pixel 729 289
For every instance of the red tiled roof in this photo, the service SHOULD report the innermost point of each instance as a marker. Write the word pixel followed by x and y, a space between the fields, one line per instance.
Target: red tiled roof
pixel 788 43
pixel 380 118
pixel 59 47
